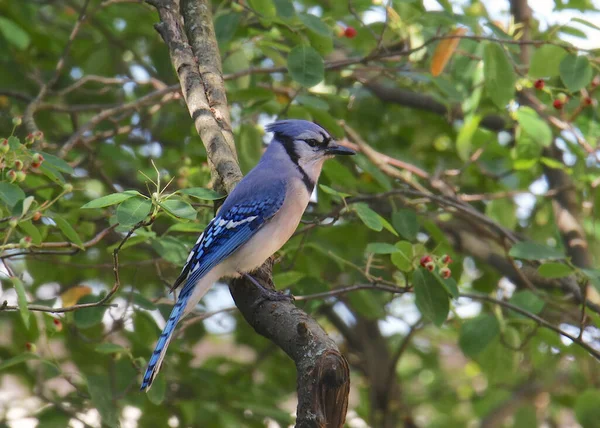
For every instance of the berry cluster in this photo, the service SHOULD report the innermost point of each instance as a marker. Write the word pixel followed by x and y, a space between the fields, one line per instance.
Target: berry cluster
pixel 561 99
pixel 430 263
pixel 19 167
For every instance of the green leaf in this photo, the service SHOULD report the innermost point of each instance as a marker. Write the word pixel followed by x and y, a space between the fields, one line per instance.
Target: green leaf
pixel 102 399
pixel 406 223
pixel 314 102
pixel 17 360
pixel 10 193
pixel 171 249
pixel 477 333
pixel 68 230
pixel 142 302
pixel 545 61
pixel 527 301
pixel 430 297
pixel 21 300
pixel 594 277
pixel 186 227
pixel 57 163
pixel 14 143
pixel 285 8
pixel 132 211
pixel 314 24
pixel 265 8
pixel 534 126
pixel 32 231
pixel 586 23
pixel 226 26
pixel 403 258
pixel 306 66
pixel 369 217
pixel 575 72
pixel 89 317
pixel 202 193
pixel 533 251
pixel 587 408
pixel 14 34
pixel 465 137
pixel 449 284
pixel 111 199
pixel 285 279
pixel 179 208
pixel 52 173
pixel 21 207
pixel 156 394
pixel 503 211
pixel 555 270
pixel 333 192
pixel 499 75
pixel 388 226
pixel 110 348
pixel 381 248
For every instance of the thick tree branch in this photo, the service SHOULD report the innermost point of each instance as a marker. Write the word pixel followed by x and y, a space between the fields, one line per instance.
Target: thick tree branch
pixel 323 374
pixel 425 102
pixel 221 155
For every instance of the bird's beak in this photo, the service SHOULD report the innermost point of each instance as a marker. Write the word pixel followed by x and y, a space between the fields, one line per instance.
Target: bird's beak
pixel 335 149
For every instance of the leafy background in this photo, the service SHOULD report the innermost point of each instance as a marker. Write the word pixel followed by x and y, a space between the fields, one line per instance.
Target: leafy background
pixel 462 154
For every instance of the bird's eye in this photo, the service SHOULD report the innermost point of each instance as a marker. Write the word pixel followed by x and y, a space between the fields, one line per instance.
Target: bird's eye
pixel 312 142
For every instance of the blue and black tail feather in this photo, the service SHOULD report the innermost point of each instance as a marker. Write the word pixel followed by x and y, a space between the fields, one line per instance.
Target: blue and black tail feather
pixel 163 341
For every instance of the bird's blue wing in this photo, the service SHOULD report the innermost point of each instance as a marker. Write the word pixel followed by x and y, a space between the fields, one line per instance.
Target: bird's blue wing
pixel 233 226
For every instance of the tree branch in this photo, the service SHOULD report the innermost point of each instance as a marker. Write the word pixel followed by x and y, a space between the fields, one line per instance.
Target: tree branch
pixel 323 380
pixel 425 102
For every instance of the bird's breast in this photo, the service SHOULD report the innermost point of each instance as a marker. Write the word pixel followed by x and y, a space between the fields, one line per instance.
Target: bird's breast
pixel 278 230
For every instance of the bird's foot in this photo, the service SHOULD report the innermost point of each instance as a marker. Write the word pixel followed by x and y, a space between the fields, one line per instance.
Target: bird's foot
pixel 267 294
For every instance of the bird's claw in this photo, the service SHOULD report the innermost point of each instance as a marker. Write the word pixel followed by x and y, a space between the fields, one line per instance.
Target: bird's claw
pixel 268 294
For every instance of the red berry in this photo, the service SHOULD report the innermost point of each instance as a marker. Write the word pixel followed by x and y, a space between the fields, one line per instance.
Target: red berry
pixel 587 101
pixel 427 263
pixel 539 84
pixel 37 216
pixel 57 324
pixel 350 32
pixel 35 164
pixel 424 260
pixel 446 259
pixel 557 104
pixel 18 165
pixel 30 347
pixel 445 272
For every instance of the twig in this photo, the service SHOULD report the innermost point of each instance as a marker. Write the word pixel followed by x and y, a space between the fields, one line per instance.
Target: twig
pixel 168 93
pixel 542 322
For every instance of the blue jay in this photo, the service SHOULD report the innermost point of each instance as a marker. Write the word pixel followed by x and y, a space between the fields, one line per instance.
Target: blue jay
pixel 257 218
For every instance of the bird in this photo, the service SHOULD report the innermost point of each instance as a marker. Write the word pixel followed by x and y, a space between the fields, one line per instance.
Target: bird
pixel 255 221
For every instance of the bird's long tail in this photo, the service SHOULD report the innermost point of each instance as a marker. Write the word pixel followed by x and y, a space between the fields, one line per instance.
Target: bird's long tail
pixel 163 341
pixel 188 298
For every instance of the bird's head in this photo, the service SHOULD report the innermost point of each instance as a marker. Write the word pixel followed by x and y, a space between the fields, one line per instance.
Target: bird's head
pixel 306 142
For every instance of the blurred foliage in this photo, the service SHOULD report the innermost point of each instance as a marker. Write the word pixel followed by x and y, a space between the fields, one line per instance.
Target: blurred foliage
pixel 133 187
